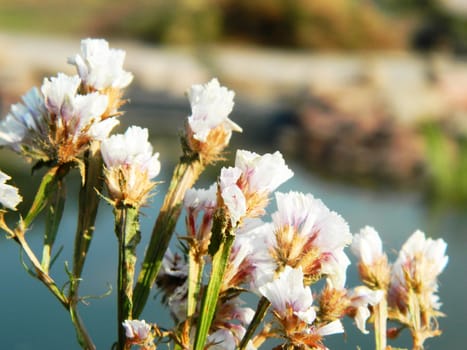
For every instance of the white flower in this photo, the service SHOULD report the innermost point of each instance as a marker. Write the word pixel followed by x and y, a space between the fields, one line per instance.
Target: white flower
pixel 334 266
pixel 245 188
pixel 288 291
pixel 9 196
pixel 99 66
pixel 211 105
pixel 255 238
pixel 136 329
pixel 417 267
pixel 130 164
pixel 360 298
pixel 232 195
pixel 263 173
pixel 201 199
pixel 56 123
pixel 131 149
pixel 222 339
pixel 59 94
pixel 177 302
pixel 367 246
pixel 101 130
pixel 315 235
pixel 173 266
pixel 25 123
pixel 334 327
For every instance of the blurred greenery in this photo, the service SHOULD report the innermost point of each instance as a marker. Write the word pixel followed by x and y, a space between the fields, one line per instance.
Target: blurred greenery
pixel 447 164
pixel 344 24
pixel 330 24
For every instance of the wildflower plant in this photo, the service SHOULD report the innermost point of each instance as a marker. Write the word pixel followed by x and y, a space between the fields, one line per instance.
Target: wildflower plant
pixel 231 247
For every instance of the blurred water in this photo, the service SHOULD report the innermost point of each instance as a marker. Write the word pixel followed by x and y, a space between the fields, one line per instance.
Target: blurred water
pixel 32 319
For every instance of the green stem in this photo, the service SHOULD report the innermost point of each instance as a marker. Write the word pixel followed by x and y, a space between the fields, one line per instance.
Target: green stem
pixel 261 310
pixel 127 230
pixel 185 175
pixel 211 294
pixel 88 205
pixel 83 336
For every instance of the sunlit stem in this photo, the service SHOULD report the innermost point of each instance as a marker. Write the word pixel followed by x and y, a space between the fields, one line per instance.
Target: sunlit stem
pixel 185 175
pixel 381 315
pixel 415 326
pixel 83 337
pixel 261 310
pixel 127 230
pixel 196 267
pixel 41 275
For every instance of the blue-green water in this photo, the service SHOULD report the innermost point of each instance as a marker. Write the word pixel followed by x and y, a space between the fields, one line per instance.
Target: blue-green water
pixel 31 318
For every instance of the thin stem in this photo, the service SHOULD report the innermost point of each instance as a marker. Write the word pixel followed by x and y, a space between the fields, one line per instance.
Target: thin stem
pixel 127 230
pixel 415 327
pixel 381 316
pixel 83 336
pixel 42 275
pixel 185 175
pixel 261 310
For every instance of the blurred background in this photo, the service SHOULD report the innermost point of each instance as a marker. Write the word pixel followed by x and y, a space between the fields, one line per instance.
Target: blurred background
pixel 366 99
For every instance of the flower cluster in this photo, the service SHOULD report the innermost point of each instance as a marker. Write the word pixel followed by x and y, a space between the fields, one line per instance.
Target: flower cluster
pixel 410 284
pixel 57 122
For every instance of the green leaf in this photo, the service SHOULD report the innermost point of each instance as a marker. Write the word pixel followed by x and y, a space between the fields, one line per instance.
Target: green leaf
pixel 54 217
pixel 47 186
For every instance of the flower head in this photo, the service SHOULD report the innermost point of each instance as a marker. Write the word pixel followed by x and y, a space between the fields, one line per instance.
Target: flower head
pixel 373 263
pixel 9 196
pixel 130 166
pixel 361 298
pixel 101 69
pixel 199 230
pixel 209 129
pixel 245 188
pixel 25 129
pixel 293 310
pixel 309 235
pixel 56 123
pixel 250 261
pixel 138 333
pixel 416 270
pixel 99 66
pixel 412 294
